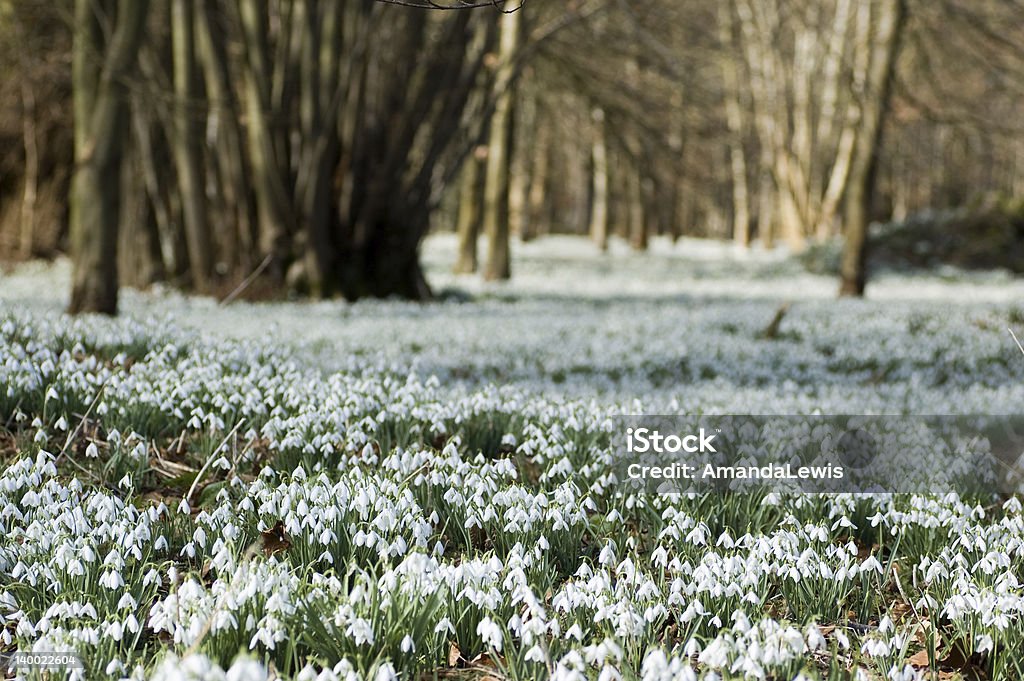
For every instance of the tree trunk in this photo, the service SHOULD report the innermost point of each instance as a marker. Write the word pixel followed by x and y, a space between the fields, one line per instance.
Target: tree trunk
pixel 537 222
pixel 99 72
pixel 31 189
pixel 599 205
pixel 271 196
pixel 188 144
pixel 470 211
pixel 519 179
pixel 734 121
pixel 637 220
pixel 874 106
pixel 227 159
pixel 496 193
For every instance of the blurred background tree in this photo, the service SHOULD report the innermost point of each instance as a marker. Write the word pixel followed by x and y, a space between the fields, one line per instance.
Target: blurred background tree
pixel 257 147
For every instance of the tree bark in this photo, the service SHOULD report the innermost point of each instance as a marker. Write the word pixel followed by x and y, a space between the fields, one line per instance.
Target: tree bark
pixel 599 200
pixel 227 158
pixel 188 144
pixel 537 222
pixel 31 189
pixel 271 196
pixel 496 193
pixel 637 217
pixel 99 72
pixel 874 106
pixel 734 121
pixel 470 211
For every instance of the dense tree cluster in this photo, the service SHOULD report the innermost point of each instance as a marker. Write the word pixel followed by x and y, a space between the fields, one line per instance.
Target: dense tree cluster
pixel 310 145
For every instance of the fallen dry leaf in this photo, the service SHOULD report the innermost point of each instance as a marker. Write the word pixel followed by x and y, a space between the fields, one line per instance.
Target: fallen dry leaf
pixel 454 655
pixel 275 539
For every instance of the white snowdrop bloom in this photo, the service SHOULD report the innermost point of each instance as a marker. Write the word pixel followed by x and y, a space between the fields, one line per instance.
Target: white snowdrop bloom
pixel 62 424
pixel 385 672
pixel 716 654
pixel 875 647
pixel 152 576
pixel 444 625
pixel 490 633
pixel 360 630
pixel 199 537
pixel 114 631
pixel 246 669
pixel 871 563
pixel 905 673
pixel 408 645
pixel 194 667
pixel 111 579
pixel 983 644
pixel 843 522
pixel 815 639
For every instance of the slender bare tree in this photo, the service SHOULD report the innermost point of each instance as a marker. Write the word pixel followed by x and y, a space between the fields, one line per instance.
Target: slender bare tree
pixel 103 60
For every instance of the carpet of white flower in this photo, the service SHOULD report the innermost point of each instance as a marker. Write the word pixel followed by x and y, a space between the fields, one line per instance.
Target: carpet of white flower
pixel 385 490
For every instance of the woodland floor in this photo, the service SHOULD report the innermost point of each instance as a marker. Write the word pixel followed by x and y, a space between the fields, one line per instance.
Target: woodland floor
pixel 323 490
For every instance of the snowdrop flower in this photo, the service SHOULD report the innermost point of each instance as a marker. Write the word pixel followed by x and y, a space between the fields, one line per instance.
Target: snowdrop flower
pixel 490 633
pixel 386 672
pixel 408 645
pixel 111 579
pixel 246 669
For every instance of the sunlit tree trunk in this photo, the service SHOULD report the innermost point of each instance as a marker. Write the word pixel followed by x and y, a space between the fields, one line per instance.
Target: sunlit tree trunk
pixel 637 216
pixel 599 190
pixel 874 105
pixel 734 121
pixel 496 193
